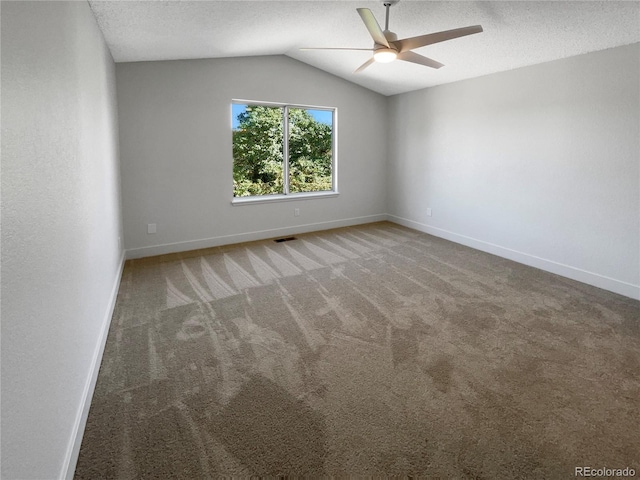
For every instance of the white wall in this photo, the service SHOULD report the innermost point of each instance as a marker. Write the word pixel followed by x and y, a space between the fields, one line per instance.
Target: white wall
pixel 175 144
pixel 60 226
pixel 539 164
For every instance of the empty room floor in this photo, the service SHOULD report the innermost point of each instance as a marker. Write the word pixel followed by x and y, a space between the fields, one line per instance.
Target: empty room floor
pixel 367 350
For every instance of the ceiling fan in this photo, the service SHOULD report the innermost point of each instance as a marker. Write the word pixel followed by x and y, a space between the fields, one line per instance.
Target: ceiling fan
pixel 387 47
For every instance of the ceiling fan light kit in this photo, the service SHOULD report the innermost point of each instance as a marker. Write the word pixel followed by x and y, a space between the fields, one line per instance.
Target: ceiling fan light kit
pixel 385 55
pixel 387 47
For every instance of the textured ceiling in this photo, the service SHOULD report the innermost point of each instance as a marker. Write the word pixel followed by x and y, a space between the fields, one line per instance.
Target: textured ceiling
pixel 516 34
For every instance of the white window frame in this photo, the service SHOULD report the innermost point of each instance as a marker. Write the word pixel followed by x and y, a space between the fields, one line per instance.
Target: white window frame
pixel 287 196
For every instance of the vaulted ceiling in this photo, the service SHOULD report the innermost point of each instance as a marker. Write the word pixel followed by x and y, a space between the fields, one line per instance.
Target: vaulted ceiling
pixel 516 34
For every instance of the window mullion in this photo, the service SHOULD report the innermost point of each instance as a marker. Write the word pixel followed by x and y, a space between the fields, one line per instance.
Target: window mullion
pixel 285 151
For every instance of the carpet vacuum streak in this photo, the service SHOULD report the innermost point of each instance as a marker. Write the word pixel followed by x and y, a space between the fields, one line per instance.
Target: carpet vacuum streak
pixel 368 350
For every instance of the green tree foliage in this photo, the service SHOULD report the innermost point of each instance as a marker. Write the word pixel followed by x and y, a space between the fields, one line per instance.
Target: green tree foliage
pixel 258 152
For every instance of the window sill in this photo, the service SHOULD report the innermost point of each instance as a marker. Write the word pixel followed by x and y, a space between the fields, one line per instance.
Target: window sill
pixel 239 201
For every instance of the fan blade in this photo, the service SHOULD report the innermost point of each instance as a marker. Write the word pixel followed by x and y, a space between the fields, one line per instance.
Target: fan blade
pixel 331 48
pixel 407 44
pixel 372 25
pixel 419 59
pixel 365 65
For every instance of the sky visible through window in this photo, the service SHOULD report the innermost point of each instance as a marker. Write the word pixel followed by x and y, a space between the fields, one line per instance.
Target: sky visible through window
pixel 323 116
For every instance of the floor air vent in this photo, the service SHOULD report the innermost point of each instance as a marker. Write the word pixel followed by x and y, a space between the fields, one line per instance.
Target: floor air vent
pixel 286 239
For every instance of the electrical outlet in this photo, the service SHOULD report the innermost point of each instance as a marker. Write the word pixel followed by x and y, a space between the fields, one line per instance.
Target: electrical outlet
pixel 296 212
pixel 428 212
pixel 151 228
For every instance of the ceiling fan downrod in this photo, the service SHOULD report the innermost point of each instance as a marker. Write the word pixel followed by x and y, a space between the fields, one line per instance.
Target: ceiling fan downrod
pixel 387 4
pixel 386 20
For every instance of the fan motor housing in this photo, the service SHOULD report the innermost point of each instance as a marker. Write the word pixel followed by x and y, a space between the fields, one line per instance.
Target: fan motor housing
pixel 390 36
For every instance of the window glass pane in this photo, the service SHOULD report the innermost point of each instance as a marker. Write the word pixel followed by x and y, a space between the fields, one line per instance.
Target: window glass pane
pixel 257 150
pixel 310 155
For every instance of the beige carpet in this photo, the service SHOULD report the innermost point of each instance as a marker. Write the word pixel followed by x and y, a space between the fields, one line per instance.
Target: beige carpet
pixel 370 350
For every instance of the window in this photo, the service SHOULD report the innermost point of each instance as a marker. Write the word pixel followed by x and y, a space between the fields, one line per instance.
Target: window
pixel 282 151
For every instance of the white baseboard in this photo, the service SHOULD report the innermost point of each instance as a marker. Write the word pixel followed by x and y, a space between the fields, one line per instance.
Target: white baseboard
pixel 248 236
pixel 71 459
pixel 590 278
